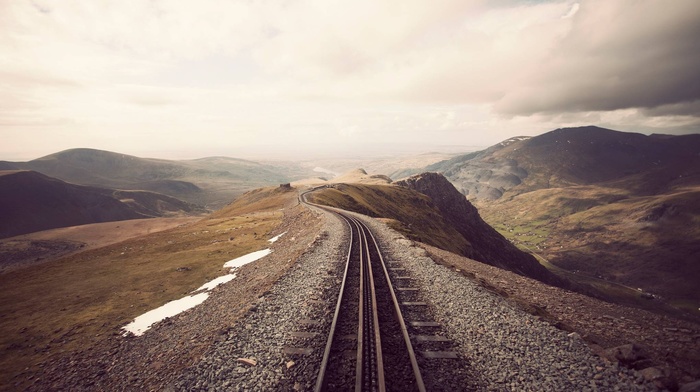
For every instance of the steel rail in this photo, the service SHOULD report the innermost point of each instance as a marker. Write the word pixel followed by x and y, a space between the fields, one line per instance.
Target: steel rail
pixel 399 317
pixel 327 352
pixel 369 372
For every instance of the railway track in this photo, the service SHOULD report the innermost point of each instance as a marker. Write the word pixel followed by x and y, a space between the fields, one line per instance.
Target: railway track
pixel 368 346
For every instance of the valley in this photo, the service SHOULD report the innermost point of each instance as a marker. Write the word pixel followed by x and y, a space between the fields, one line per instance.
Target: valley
pixel 599 205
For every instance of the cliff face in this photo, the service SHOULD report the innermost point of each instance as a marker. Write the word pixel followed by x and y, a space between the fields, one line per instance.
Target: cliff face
pixel 486 244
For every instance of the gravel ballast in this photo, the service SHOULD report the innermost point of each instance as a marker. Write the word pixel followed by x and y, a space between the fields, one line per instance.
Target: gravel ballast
pixel 503 348
pixel 509 349
pixel 248 338
pixel 252 356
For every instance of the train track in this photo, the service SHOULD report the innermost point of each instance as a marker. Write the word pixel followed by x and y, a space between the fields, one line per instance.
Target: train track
pixel 368 346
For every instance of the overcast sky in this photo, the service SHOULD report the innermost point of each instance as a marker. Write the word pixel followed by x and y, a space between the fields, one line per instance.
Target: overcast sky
pixel 187 79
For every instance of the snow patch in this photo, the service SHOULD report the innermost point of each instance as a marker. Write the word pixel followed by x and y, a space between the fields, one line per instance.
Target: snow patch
pixel 275 238
pixel 143 322
pixel 220 280
pixel 245 259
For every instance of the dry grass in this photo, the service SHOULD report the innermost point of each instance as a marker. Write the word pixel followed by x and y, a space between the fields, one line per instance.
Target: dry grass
pixel 610 233
pixel 61 306
pixel 406 211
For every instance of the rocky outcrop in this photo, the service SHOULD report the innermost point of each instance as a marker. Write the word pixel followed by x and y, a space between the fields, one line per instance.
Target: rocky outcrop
pixel 486 244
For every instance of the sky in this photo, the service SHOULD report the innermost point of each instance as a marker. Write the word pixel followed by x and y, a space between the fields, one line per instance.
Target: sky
pixel 293 78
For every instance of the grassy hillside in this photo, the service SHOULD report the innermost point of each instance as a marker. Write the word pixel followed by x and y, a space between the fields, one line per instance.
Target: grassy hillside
pixel 427 208
pixel 610 237
pixel 600 206
pixel 406 211
pixel 69 304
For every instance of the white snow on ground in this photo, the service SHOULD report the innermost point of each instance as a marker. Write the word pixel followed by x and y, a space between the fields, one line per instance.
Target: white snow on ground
pixel 275 238
pixel 211 284
pixel 143 322
pixel 249 258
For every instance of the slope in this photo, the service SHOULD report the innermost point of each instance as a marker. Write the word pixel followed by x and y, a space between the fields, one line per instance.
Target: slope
pixel 605 207
pixel 427 208
pixel 30 201
pixel 49 312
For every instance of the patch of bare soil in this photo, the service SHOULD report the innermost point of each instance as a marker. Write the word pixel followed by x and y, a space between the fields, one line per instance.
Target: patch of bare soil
pixel 662 341
pixel 48 245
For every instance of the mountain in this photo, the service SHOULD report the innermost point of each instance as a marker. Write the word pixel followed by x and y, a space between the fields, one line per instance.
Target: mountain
pixel 429 209
pixel 485 243
pixel 212 181
pixel 30 201
pixel 576 156
pixel 615 209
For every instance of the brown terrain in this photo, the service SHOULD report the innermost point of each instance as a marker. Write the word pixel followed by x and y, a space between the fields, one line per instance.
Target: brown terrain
pixel 69 335
pixel 52 311
pixel 632 337
pixel 615 210
pixel 48 245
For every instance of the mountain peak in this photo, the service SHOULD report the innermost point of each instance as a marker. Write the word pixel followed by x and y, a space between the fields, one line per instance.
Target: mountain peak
pixel 487 245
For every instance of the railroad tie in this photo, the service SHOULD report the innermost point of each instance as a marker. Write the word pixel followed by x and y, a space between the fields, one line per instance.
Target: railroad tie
pixel 431 338
pixel 440 354
pixel 297 351
pixel 309 322
pixel 424 324
pixel 303 335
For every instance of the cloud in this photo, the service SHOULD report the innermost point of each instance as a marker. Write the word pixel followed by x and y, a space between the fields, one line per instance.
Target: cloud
pixel 318 70
pixel 617 55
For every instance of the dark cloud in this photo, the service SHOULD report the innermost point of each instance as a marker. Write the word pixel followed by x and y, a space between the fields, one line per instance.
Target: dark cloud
pixel 618 55
pixel 678 109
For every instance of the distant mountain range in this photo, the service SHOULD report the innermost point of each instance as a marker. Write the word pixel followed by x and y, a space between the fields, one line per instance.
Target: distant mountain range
pixel 621 206
pixel 618 211
pixel 211 182
pixel 30 201
pixel 574 156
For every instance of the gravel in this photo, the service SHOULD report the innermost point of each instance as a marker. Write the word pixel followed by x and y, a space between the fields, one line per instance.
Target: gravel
pixel 500 347
pixel 302 298
pixel 510 350
pixel 240 339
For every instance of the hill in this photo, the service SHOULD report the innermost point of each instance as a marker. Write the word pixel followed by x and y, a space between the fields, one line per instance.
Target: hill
pixel 427 208
pixel 30 201
pixel 210 182
pixel 58 309
pixel 613 209
pixel 576 156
